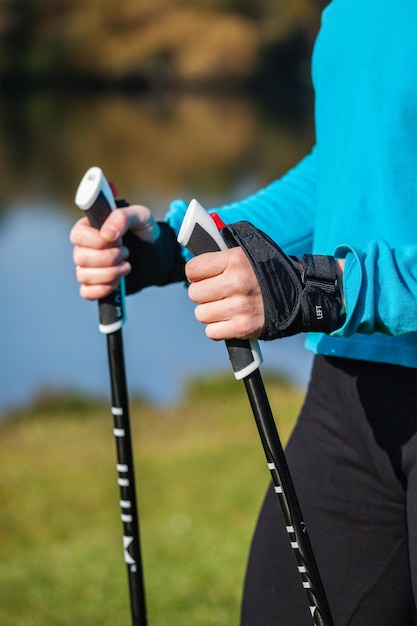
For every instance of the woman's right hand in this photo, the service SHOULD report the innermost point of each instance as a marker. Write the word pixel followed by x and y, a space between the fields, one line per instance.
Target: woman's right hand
pixel 99 255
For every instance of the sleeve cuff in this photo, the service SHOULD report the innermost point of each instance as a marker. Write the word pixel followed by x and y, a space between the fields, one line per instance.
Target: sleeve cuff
pixel 352 284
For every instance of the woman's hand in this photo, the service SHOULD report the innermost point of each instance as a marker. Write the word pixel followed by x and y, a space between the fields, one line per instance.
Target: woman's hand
pixel 229 300
pixel 99 255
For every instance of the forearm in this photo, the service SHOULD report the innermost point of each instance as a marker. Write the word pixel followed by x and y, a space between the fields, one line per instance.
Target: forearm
pixel 284 209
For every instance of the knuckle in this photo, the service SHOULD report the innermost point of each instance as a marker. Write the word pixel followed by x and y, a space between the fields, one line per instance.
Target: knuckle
pixel 79 256
pixel 119 219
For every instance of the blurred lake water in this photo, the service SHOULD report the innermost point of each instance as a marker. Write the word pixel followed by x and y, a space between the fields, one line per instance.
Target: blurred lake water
pixel 155 150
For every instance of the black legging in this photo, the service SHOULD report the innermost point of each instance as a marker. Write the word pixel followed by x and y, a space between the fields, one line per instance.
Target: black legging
pixel 353 460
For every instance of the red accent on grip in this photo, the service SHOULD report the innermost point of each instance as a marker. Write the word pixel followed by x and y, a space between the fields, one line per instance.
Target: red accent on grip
pixel 218 221
pixel 113 189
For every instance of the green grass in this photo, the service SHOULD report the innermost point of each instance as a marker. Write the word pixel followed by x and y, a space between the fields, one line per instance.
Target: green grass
pixel 200 475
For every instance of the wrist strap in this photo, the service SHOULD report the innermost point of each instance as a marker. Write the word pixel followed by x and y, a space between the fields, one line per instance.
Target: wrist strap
pixel 319 271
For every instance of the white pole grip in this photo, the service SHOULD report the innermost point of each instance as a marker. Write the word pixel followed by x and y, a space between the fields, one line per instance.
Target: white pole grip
pixel 199 234
pixel 95 197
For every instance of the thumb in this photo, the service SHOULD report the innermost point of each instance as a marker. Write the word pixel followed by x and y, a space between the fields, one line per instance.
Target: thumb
pixel 136 218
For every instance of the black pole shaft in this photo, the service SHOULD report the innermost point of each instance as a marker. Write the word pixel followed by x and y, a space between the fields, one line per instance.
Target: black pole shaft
pixel 95 197
pixel 126 478
pixel 284 488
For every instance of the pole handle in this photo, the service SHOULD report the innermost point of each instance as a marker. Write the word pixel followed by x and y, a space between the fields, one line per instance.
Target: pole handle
pixel 95 197
pixel 200 234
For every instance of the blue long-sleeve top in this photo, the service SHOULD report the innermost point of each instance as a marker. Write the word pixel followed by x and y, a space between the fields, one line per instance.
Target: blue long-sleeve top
pixel 355 194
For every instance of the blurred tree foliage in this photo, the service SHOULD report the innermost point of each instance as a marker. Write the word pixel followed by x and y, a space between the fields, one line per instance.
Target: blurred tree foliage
pixel 154 42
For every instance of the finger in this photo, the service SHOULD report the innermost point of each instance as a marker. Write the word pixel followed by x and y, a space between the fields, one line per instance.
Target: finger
pixel 208 290
pixel 235 328
pixel 245 315
pixel 101 275
pixel 226 329
pixel 218 331
pixel 89 257
pixel 212 312
pixel 246 321
pixel 136 218
pixel 143 223
pixel 83 234
pixel 206 265
pixel 96 292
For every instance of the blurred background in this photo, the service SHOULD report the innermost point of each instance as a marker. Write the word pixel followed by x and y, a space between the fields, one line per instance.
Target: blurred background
pixel 172 99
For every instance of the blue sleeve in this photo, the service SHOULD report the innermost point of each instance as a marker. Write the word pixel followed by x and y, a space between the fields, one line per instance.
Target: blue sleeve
pixel 284 209
pixel 380 288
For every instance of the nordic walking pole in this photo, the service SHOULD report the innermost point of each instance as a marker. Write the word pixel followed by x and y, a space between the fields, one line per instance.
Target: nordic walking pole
pixel 199 234
pixel 94 196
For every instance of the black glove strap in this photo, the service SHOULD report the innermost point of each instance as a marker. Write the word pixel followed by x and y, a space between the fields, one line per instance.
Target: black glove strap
pixel 321 301
pixel 294 301
pixel 319 271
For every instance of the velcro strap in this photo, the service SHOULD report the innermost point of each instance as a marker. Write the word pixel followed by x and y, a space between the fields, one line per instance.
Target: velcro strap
pixel 319 271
